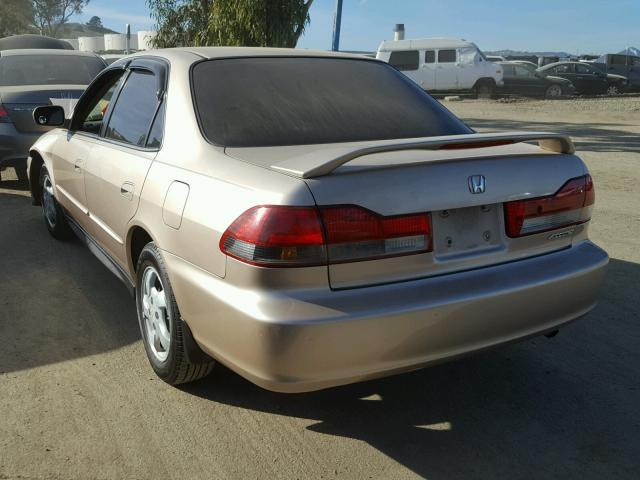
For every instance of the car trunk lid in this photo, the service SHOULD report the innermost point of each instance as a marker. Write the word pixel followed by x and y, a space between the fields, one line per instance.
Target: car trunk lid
pixel 19 103
pixel 468 228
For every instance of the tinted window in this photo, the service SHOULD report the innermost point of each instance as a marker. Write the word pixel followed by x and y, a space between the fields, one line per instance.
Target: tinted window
pixel 508 70
pixel 561 69
pixel 522 71
pixel 446 56
pixel 134 110
pixel 49 69
pixel 407 60
pixel 92 123
pixel 157 130
pixel 430 56
pixel 618 59
pixel 248 102
pixel 583 69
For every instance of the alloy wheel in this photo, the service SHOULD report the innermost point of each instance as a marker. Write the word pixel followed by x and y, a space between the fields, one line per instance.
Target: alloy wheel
pixel 157 322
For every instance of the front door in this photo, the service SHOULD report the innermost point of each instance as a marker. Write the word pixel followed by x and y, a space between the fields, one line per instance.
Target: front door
pixel 447 70
pixel 71 154
pixel 120 161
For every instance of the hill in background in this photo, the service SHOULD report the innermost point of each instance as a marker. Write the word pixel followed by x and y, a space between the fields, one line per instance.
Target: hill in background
pixel 75 30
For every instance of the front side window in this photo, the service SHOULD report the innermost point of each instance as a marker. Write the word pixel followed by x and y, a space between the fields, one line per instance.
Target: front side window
pixel 49 69
pixel 135 109
pixel 562 69
pixel 446 56
pixel 405 60
pixel 469 55
pixel 523 71
pixel 92 122
pixel 274 101
pixel 508 70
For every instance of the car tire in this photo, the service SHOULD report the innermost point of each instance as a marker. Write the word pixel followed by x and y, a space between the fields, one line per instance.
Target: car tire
pixel 52 212
pixel 484 90
pixel 613 90
pixel 553 91
pixel 164 333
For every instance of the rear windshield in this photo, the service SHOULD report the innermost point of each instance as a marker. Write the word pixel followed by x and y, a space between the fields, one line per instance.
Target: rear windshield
pixel 48 70
pixel 271 101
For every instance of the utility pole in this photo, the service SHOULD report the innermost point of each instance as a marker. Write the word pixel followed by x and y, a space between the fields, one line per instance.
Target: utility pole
pixel 337 19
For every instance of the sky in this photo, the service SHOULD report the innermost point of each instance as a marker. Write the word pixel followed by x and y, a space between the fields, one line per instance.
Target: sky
pixel 574 26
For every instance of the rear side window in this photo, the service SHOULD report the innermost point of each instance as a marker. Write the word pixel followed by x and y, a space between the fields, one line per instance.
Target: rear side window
pixel 406 60
pixel 134 110
pixel 561 69
pixel 269 101
pixel 446 56
pixel 430 56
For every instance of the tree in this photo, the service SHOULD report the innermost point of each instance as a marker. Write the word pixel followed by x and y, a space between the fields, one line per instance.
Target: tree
pixel 265 23
pixel 15 17
pixel 180 22
pixel 260 23
pixel 50 15
pixel 95 22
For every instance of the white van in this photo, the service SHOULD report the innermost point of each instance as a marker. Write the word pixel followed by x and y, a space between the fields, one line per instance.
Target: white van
pixel 443 64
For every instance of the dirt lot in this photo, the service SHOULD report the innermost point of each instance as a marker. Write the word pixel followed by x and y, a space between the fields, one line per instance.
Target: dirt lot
pixel 79 401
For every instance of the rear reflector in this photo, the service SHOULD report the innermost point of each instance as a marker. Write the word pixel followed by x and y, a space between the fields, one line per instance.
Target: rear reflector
pixel 571 205
pixel 4 115
pixel 280 236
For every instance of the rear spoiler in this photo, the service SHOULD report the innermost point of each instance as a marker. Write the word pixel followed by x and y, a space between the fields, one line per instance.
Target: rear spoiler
pixel 324 161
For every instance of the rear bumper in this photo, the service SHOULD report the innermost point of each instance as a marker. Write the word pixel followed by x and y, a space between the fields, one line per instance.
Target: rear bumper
pixel 312 340
pixel 14 145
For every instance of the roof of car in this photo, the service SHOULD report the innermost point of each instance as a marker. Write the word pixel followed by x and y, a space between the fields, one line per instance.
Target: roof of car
pixel 549 65
pixel 234 52
pixel 421 43
pixel 45 51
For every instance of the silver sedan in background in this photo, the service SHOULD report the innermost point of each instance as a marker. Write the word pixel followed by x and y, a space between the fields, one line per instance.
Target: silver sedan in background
pixel 34 77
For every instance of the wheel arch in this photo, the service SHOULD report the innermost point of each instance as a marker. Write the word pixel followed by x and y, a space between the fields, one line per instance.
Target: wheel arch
pixel 36 163
pixel 137 237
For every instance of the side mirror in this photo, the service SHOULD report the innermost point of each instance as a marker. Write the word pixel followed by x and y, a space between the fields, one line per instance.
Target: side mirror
pixel 49 116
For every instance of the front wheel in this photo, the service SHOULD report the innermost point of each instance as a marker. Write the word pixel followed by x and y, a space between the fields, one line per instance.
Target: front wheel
pixel 613 90
pixel 163 330
pixel 553 91
pixel 52 212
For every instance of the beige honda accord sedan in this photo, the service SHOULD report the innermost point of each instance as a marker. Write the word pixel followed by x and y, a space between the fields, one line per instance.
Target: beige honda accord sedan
pixel 311 219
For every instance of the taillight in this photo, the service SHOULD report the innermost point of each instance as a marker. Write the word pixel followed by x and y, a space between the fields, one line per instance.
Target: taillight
pixel 355 233
pixel 4 115
pixel 571 205
pixel 280 236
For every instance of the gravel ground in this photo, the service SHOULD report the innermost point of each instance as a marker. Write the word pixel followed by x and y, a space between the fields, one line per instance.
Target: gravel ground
pixel 79 401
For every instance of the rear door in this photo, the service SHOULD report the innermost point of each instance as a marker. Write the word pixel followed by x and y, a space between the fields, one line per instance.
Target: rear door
pixel 121 158
pixel 408 62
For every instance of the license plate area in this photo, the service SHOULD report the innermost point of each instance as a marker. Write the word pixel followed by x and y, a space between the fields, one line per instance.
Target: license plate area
pixel 467 231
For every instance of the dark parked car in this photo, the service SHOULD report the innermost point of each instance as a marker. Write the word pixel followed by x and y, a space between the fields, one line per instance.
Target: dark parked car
pixel 586 78
pixel 31 78
pixel 626 65
pixel 523 79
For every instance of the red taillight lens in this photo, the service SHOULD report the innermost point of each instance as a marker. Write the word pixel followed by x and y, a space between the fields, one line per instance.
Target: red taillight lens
pixel 355 233
pixel 304 236
pixel 276 236
pixel 571 205
pixel 4 115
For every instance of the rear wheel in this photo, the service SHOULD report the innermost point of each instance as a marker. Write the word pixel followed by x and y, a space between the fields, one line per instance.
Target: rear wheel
pixel 553 91
pixel 52 212
pixel 163 330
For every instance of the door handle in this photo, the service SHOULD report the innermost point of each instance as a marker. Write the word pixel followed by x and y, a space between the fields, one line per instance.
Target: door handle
pixel 126 190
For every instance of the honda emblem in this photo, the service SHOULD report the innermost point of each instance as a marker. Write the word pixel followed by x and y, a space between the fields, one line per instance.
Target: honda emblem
pixel 477 183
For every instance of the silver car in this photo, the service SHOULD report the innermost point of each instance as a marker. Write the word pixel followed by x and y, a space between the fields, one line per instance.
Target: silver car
pixel 32 77
pixel 311 219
